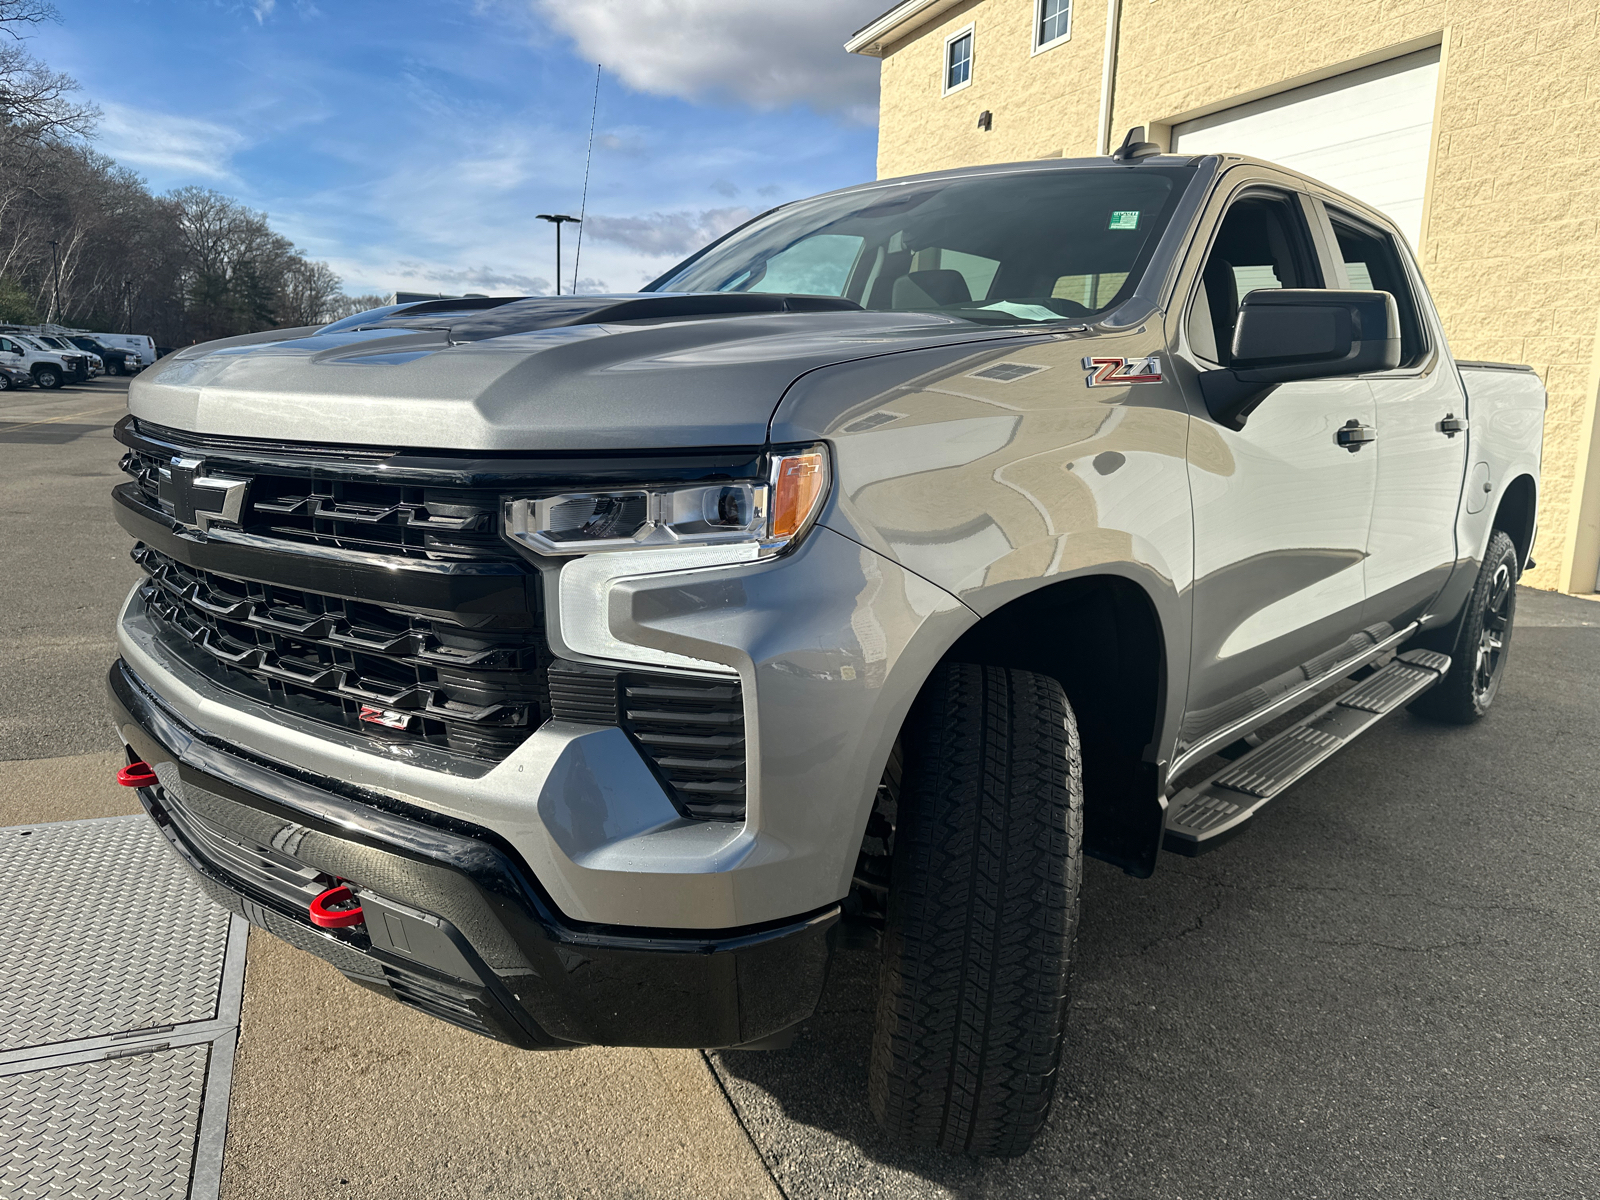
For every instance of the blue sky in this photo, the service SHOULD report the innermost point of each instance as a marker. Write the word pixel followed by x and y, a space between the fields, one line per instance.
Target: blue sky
pixel 409 143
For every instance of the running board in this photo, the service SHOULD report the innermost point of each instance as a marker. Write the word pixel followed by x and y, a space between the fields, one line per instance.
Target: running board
pixel 1201 818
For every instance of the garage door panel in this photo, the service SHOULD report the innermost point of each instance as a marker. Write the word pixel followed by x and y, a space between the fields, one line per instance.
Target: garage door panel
pixel 1365 132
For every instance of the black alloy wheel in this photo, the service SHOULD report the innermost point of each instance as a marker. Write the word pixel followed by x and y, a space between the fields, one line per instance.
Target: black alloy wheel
pixel 1478 662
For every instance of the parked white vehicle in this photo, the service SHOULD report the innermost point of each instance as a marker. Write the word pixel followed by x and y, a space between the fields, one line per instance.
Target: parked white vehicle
pixel 137 343
pixel 49 368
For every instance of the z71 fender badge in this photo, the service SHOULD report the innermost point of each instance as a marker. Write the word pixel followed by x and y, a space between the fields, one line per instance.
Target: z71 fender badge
pixel 1111 372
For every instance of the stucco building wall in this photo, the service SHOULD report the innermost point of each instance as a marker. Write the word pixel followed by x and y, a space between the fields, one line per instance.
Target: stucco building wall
pixel 1511 230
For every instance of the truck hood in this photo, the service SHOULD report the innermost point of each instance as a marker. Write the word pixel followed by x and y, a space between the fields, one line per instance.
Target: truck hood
pixel 529 375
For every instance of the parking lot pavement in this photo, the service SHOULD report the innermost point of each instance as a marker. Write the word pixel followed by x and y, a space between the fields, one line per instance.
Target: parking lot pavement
pixel 1389 988
pixel 68 567
pixel 1386 988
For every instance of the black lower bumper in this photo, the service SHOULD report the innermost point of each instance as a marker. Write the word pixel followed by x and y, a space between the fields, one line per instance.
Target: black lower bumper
pixel 454 925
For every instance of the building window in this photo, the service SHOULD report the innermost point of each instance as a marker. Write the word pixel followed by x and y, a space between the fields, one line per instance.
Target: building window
pixel 1052 23
pixel 958 60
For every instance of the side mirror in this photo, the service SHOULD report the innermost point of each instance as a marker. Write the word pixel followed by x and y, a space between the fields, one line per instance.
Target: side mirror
pixel 1289 334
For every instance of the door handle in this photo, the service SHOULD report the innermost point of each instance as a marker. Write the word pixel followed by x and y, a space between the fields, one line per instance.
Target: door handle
pixel 1452 425
pixel 1353 435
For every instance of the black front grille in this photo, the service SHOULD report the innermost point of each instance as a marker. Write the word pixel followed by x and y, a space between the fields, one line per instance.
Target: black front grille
pixel 449 652
pixel 387 518
pixel 480 693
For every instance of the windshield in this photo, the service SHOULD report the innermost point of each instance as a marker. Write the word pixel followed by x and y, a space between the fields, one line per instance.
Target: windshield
pixel 1006 248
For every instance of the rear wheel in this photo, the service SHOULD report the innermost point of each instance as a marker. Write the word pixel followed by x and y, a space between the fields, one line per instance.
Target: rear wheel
pixel 47 377
pixel 982 913
pixel 1479 662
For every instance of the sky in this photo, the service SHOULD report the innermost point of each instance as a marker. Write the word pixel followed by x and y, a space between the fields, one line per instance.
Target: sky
pixel 411 143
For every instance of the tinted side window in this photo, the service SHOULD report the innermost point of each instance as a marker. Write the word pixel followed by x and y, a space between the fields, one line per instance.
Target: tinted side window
pixel 1262 243
pixel 1372 263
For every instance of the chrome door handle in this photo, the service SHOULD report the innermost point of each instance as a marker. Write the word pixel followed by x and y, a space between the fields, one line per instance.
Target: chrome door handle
pixel 1354 435
pixel 1452 425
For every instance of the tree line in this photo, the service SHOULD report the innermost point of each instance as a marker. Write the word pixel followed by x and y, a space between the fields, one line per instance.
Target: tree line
pixel 84 242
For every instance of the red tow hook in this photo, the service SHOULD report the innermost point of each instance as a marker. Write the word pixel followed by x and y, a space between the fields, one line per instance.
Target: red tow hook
pixel 137 775
pixel 336 908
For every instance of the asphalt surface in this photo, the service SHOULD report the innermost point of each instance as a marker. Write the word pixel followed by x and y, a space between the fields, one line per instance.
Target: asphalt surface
pixel 1387 988
pixel 67 567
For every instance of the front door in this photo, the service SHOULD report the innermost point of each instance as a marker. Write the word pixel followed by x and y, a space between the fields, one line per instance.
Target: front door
pixel 1281 509
pixel 1412 547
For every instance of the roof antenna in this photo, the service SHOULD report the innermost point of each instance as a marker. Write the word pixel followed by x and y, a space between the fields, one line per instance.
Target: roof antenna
pixel 584 204
pixel 1134 146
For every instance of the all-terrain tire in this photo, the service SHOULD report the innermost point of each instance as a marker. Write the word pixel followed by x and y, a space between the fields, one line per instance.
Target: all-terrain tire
pixel 1478 663
pixel 982 913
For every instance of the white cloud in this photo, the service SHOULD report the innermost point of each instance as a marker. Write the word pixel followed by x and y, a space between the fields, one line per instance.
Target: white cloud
pixel 163 142
pixel 674 233
pixel 481 279
pixel 759 52
pixel 263 9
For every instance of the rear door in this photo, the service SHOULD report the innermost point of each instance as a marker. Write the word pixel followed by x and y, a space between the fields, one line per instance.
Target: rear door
pixel 1281 509
pixel 1420 461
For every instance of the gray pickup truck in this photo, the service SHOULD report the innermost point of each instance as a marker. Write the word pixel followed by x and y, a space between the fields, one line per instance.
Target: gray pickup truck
pixel 583 670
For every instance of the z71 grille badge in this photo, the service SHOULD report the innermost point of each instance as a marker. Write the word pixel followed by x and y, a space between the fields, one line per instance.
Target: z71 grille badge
pixel 195 499
pixel 1113 372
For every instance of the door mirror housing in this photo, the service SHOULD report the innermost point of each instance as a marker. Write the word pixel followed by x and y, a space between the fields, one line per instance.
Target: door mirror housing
pixel 1288 334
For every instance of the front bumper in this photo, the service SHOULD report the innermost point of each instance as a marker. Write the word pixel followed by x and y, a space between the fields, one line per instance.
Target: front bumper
pixel 455 924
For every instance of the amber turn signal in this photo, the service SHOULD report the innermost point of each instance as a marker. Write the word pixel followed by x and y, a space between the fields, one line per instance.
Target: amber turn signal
pixel 799 482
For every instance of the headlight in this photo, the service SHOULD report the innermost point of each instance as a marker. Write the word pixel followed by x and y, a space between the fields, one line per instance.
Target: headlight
pixel 770 514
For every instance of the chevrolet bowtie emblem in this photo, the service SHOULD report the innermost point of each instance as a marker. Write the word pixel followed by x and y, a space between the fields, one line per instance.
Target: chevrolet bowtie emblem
pixel 196 499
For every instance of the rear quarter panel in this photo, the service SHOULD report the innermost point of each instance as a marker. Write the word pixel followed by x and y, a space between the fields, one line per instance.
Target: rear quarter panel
pixel 1506 410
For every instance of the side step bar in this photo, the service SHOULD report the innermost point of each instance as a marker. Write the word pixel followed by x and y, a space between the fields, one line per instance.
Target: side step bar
pixel 1201 818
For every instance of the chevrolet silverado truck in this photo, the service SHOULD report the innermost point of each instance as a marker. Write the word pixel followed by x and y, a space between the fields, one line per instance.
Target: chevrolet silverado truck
pixel 588 669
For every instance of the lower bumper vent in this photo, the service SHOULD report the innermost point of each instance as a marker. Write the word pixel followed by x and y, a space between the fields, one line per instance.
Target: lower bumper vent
pixel 691 727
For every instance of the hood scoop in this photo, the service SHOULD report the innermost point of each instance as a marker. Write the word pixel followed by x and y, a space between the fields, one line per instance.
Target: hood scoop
pixel 475 319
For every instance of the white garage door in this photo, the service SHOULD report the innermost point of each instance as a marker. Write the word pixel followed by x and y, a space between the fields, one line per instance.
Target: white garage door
pixel 1366 132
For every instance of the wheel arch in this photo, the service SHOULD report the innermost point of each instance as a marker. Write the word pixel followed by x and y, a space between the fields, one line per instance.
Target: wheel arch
pixel 1517 515
pixel 1102 636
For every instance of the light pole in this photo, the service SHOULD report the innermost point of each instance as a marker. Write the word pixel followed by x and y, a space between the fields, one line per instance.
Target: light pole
pixel 558 219
pixel 55 292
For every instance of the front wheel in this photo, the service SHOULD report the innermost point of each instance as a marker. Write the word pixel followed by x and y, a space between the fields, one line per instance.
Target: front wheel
pixel 5 383
pixel 48 378
pixel 1479 662
pixel 982 913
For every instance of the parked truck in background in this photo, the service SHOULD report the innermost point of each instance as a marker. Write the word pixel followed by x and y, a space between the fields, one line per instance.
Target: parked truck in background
pixel 48 367
pixel 574 669
pixel 117 361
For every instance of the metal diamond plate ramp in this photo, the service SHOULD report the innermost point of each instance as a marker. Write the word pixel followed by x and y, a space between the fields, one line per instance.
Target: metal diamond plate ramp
pixel 120 988
pixel 101 932
pixel 124 1127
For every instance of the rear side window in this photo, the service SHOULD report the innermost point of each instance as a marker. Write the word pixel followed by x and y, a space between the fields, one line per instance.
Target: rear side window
pixel 1372 263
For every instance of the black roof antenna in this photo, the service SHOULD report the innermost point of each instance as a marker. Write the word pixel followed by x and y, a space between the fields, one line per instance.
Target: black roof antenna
pixel 1134 146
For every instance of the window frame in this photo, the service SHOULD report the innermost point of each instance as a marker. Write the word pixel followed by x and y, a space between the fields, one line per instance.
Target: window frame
pixel 969 30
pixel 1329 211
pixel 1315 255
pixel 1038 23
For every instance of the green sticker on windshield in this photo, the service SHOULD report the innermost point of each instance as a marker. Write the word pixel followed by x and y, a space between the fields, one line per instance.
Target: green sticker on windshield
pixel 1125 220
